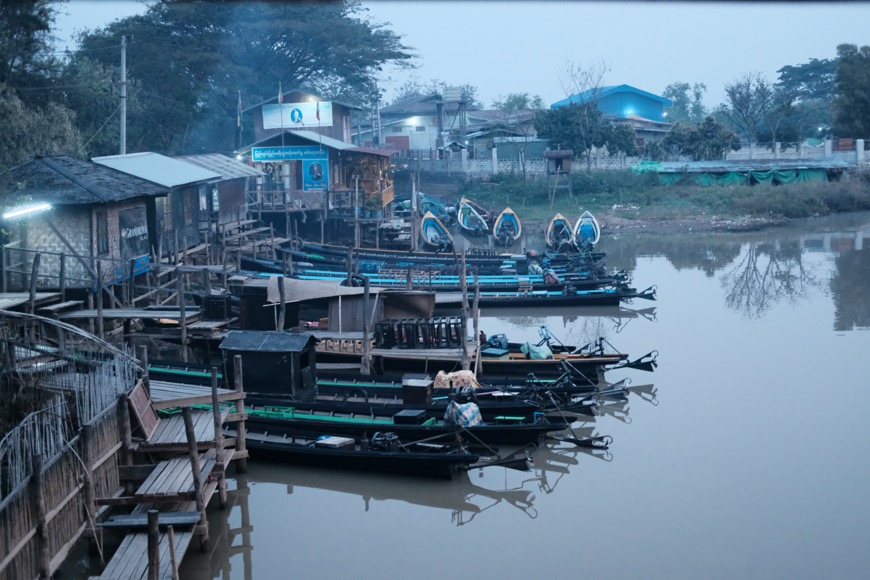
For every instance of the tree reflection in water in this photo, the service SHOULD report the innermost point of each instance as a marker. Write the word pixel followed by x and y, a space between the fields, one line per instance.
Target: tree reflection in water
pixel 764 274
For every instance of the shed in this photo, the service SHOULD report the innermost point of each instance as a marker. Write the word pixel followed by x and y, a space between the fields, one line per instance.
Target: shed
pixel 273 362
pixel 226 200
pixel 98 214
pixel 181 218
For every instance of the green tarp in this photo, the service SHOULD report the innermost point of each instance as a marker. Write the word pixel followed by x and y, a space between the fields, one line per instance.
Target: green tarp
pixel 777 176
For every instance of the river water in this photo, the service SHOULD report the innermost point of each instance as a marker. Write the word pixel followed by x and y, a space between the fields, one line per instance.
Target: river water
pixel 744 455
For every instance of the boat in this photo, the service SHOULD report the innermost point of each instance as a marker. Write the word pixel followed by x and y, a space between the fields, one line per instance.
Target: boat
pixel 560 234
pixel 412 345
pixel 409 424
pixel 381 451
pixel 434 235
pixel 559 295
pixel 428 203
pixel 586 231
pixel 507 228
pixel 471 218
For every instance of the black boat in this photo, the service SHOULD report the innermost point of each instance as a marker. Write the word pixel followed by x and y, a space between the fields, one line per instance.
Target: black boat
pixel 567 296
pixel 382 452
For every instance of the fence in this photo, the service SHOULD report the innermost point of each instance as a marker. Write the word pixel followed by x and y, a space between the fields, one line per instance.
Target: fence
pixel 62 456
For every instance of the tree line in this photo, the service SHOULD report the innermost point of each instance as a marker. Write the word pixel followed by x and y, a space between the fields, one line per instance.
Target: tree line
pixel 191 62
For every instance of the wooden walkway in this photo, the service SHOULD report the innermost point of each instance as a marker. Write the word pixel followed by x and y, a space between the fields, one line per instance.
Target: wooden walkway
pixel 192 459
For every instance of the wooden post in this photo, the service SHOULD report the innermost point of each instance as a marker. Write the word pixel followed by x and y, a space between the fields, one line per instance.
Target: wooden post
pixel 126 434
pixel 272 241
pixel 91 307
pixel 100 323
pixel 172 558
pixel 132 287
pixel 182 322
pixel 282 307
pixel 4 260
pixel 241 443
pixel 206 281
pixel 143 360
pixel 34 273
pixel 153 545
pixel 463 288
pixel 366 342
pixel 36 494
pixel 218 439
pixel 87 443
pixel 475 313
pixel 62 276
pixel 193 452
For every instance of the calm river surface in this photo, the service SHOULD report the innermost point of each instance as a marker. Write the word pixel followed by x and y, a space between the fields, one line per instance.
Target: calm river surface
pixel 744 455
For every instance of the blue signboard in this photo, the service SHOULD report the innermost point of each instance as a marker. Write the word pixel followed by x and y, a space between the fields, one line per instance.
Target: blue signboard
pixel 288 153
pixel 315 175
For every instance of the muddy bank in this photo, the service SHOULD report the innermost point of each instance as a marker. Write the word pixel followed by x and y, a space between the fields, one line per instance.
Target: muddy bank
pixel 615 223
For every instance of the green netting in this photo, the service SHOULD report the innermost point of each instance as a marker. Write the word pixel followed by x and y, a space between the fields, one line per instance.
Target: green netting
pixel 740 178
pixel 731 178
pixel 670 178
pixel 645 166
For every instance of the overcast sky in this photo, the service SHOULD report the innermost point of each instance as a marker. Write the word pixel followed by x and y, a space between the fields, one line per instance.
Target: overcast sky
pixel 526 46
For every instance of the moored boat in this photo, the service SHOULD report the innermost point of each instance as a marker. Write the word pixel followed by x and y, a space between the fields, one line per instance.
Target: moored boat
pixel 507 228
pixel 434 235
pixel 586 231
pixel 471 218
pixel 559 233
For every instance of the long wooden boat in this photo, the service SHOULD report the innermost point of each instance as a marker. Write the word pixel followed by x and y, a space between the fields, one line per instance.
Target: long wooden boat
pixel 507 228
pixel 426 459
pixel 428 203
pixel 313 251
pixel 434 235
pixel 471 218
pixel 560 233
pixel 409 424
pixel 587 232
pixel 567 296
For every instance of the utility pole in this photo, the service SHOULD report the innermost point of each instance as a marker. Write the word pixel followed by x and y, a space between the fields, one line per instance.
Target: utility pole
pixel 123 136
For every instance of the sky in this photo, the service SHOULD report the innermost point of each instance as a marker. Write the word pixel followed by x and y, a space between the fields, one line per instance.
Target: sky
pixel 529 46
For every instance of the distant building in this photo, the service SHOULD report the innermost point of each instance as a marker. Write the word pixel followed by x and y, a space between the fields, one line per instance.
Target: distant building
pixel 643 111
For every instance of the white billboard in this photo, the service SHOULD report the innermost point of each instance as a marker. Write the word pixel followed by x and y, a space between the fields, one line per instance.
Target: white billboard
pixel 298 115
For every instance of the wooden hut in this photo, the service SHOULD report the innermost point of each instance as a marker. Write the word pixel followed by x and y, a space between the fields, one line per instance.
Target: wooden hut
pixel 279 363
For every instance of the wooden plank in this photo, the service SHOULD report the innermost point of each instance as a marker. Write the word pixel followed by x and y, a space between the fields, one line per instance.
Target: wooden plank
pixel 163 519
pixel 142 410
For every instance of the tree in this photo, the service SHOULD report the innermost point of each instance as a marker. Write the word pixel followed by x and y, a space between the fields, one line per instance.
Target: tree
pixel 749 100
pixel 686 108
pixel 584 121
pixel 26 58
pixel 706 141
pixel 193 57
pixel 26 132
pixel 852 103
pixel 518 102
pixel 811 86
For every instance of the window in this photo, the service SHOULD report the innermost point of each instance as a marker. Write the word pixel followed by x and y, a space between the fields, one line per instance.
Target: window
pixel 397 129
pixel 421 128
pixel 102 234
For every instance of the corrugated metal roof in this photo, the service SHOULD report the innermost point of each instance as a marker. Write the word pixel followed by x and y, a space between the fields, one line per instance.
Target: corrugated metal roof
pixel 227 167
pixel 266 341
pixel 327 142
pixel 64 180
pixel 158 168
pixel 601 92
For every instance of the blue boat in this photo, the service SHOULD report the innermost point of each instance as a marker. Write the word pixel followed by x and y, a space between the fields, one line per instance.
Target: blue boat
pixel 434 235
pixel 470 218
pixel 507 228
pixel 560 234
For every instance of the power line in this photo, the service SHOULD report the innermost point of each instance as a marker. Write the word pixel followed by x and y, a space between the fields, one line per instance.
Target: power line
pixel 112 114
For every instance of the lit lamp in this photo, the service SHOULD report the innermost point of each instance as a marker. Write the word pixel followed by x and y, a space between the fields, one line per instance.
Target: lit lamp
pixel 18 212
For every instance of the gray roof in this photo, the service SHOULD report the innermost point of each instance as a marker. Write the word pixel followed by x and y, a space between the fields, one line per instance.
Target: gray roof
pixel 302 290
pixel 67 181
pixel 227 167
pixel 158 168
pixel 266 341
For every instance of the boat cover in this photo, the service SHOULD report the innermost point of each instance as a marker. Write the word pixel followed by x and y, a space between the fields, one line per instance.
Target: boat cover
pixel 464 414
pixel 536 352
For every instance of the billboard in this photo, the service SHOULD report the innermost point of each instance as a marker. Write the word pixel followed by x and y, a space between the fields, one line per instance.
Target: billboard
pixel 308 115
pixel 288 153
